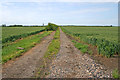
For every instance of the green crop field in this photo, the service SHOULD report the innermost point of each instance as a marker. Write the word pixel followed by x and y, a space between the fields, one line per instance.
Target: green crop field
pixel 13 33
pixel 108 33
pixel 105 38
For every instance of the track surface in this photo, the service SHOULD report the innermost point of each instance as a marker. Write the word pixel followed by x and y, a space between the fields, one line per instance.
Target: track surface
pixel 26 65
pixel 71 63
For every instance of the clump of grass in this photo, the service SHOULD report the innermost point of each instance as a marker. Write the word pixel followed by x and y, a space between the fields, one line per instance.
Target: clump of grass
pixel 54 46
pixel 82 47
pixel 90 52
pixel 115 74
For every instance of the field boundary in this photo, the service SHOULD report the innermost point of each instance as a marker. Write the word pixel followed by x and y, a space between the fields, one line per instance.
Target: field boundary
pixel 15 37
pixel 20 52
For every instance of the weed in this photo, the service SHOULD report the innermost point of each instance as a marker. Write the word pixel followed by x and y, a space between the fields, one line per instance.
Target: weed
pixel 115 73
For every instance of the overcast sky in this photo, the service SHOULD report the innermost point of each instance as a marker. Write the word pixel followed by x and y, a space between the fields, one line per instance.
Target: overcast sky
pixel 79 13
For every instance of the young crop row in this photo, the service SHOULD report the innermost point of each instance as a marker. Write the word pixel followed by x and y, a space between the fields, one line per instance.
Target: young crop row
pixel 105 47
pixel 19 33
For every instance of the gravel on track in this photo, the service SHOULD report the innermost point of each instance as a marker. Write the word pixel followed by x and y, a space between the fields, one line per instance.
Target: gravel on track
pixel 71 63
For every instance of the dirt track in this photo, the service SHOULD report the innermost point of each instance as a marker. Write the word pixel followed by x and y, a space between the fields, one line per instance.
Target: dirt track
pixel 70 63
pixel 26 65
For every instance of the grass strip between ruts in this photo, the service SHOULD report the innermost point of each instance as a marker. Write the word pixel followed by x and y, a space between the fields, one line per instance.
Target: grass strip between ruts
pixel 51 52
pixel 54 46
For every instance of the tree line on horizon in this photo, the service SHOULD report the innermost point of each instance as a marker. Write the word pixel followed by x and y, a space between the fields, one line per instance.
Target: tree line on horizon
pixel 4 25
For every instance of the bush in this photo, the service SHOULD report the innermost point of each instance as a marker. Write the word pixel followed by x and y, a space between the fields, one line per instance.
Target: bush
pixel 51 27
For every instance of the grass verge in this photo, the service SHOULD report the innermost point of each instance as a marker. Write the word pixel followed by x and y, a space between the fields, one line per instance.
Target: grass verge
pixel 12 51
pixel 82 47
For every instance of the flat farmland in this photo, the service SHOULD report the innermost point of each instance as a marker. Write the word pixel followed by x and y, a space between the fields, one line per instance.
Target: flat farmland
pixel 36 52
pixel 13 33
pixel 104 38
pixel 108 33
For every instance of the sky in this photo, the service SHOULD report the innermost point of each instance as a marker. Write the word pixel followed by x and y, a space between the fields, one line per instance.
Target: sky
pixel 59 12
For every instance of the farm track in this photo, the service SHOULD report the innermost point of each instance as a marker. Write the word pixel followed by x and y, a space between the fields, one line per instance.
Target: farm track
pixel 26 65
pixel 71 63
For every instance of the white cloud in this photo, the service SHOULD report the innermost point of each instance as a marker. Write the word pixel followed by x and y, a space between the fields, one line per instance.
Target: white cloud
pixel 59 0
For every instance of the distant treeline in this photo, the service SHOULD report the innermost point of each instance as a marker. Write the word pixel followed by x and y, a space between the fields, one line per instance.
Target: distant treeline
pixel 48 27
pixel 22 26
pixel 84 26
pixel 49 24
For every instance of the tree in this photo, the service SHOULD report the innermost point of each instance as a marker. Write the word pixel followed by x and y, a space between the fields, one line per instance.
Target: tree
pixel 51 26
pixel 3 25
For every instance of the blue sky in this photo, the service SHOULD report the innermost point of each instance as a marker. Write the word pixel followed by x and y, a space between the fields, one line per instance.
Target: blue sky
pixel 74 13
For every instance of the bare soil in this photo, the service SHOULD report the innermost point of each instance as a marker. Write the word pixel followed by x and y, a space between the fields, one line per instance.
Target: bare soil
pixel 26 65
pixel 71 63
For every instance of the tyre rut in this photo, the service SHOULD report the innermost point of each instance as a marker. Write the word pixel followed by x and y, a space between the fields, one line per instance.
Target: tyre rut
pixel 26 65
pixel 71 63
